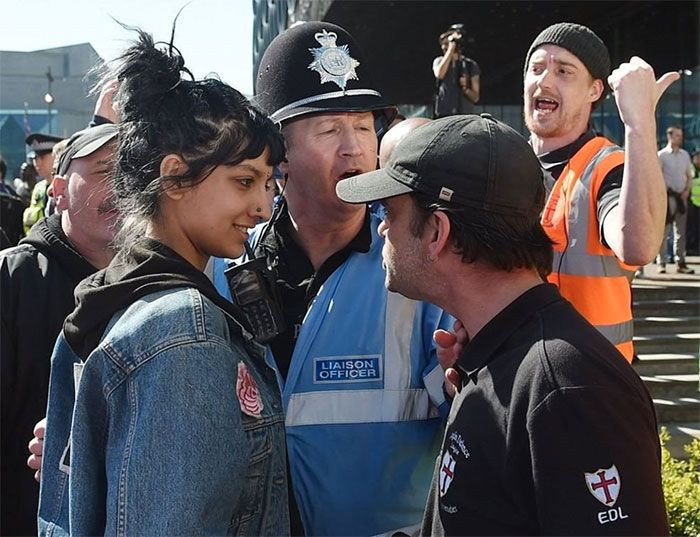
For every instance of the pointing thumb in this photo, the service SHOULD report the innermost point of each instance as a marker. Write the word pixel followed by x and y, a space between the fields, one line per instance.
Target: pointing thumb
pixel 665 81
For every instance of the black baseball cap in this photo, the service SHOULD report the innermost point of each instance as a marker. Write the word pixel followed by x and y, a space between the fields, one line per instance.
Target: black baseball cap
pixel 84 143
pixel 316 67
pixel 467 160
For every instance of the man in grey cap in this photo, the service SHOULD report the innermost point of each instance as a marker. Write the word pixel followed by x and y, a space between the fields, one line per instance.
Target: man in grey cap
pixel 362 389
pixel 551 433
pixel 606 209
pixel 37 278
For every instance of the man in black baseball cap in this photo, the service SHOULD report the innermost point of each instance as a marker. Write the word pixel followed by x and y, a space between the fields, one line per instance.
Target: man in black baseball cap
pixel 531 445
pixel 363 389
pixel 38 279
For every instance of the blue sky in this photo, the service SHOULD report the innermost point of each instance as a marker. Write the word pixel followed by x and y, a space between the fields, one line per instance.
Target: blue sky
pixel 214 36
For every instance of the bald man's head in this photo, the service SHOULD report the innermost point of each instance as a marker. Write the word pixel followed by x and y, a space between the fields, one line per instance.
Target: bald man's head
pixel 396 134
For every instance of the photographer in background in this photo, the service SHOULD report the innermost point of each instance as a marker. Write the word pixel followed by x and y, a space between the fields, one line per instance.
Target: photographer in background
pixel 456 76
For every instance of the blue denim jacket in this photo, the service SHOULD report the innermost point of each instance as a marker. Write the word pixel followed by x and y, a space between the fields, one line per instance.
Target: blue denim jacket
pixel 154 438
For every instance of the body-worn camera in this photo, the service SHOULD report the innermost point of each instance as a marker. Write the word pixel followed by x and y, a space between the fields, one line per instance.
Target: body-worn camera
pixel 252 286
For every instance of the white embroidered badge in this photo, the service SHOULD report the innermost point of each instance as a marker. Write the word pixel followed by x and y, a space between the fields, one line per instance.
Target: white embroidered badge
pixel 447 472
pixel 604 484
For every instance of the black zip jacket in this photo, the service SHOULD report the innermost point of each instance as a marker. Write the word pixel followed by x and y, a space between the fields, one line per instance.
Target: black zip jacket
pixel 37 279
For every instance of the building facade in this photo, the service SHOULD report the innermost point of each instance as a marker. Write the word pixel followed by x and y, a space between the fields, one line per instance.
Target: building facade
pixel 26 78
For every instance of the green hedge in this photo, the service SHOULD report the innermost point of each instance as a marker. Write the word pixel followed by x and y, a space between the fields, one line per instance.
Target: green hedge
pixel 681 481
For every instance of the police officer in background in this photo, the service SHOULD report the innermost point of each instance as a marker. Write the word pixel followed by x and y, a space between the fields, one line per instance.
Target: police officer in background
pixel 42 157
pixel 456 76
pixel 693 229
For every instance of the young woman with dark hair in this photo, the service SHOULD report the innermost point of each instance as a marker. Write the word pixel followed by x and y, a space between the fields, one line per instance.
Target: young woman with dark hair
pixel 163 417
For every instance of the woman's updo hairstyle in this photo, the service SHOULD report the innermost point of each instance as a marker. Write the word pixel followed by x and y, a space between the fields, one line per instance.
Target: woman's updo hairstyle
pixel 206 122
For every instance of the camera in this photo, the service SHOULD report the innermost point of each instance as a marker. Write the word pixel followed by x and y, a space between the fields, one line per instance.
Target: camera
pixel 458 30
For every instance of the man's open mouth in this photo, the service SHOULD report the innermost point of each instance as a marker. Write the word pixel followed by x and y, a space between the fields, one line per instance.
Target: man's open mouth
pixel 546 105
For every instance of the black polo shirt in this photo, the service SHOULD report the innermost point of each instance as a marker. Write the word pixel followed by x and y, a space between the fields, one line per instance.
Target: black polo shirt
pixel 297 281
pixel 555 161
pixel 552 433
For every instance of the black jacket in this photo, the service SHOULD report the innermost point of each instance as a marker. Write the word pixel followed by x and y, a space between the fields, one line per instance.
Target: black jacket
pixel 37 279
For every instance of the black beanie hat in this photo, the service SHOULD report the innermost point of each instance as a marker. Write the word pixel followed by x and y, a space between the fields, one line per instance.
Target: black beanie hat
pixel 582 42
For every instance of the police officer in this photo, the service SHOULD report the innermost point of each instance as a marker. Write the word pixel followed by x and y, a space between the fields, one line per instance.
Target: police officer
pixel 41 146
pixel 361 384
pixel 693 229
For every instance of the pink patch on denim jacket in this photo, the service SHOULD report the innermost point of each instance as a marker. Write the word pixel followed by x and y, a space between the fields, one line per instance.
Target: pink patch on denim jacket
pixel 248 393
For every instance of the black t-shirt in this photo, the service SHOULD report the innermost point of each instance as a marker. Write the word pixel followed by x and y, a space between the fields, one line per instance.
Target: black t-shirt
pixel 552 433
pixel 555 161
pixel 297 281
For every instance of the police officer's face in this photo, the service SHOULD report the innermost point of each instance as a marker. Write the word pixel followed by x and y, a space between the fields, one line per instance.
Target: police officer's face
pixel 325 148
pixel 559 92
pixel 44 164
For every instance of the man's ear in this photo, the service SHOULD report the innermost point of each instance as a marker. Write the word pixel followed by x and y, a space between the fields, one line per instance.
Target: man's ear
pixel 284 167
pixel 439 234
pixel 60 191
pixel 596 90
pixel 172 165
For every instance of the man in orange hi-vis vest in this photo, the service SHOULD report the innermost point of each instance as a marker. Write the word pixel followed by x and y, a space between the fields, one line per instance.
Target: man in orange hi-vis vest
pixel 606 207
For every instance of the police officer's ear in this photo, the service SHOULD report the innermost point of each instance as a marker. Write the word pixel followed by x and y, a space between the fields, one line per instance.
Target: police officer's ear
pixel 60 192
pixel 437 232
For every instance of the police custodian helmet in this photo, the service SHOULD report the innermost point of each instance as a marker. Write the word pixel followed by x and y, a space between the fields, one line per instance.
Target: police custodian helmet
pixel 316 67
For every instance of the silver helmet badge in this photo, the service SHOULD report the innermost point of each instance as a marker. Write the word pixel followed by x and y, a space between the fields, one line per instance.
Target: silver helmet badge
pixel 331 61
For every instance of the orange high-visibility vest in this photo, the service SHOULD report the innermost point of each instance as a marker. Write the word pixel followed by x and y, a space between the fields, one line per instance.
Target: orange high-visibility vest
pixel 587 273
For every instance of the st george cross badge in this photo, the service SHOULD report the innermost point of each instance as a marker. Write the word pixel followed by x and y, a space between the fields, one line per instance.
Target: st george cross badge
pixel 604 484
pixel 447 472
pixel 248 393
pixel 331 61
